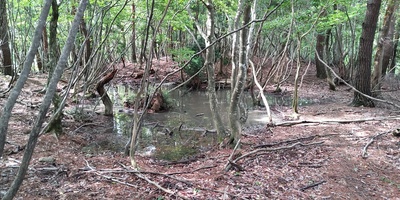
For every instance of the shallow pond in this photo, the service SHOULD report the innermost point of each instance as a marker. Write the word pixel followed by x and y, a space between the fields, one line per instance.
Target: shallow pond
pixel 186 129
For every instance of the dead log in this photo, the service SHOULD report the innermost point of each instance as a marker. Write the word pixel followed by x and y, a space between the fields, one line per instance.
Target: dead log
pixel 108 111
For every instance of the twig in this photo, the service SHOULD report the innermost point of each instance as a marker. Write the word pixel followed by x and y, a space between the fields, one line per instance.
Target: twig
pixel 188 172
pixel 312 185
pixel 364 153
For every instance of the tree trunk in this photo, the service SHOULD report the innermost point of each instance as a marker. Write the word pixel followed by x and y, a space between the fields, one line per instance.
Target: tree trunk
pixel 238 86
pixel 39 61
pixel 133 57
pixel 45 47
pixel 88 48
pixel 4 40
pixel 396 44
pixel 319 46
pixel 382 53
pixel 362 76
pixel 56 124
pixel 210 67
pixel 388 48
pixel 12 98
pixel 338 55
pixel 329 76
pixel 103 93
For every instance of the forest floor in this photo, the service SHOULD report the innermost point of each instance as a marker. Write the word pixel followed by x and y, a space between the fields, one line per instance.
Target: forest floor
pixel 333 151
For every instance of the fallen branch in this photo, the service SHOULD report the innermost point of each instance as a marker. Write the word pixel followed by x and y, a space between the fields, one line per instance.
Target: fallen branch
pixel 340 121
pixel 195 170
pixel 157 185
pixel 364 153
pixel 275 149
pixel 292 140
pixel 312 185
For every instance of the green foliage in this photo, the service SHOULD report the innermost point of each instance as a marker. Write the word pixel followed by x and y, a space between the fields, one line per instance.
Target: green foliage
pixel 169 101
pixel 194 66
pixel 183 55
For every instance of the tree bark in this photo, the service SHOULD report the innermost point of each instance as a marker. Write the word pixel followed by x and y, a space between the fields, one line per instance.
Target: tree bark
pixel 210 67
pixel 382 55
pixel 238 86
pixel 319 46
pixel 338 55
pixel 388 56
pixel 56 123
pixel 6 114
pixel 362 76
pixel 45 47
pixel 4 39
pixel 103 94
pixel 88 48
pixel 51 90
pixel 329 76
pixel 133 57
pixel 396 44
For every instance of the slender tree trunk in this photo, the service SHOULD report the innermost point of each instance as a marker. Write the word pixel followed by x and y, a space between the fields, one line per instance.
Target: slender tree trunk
pixel 388 57
pixel 235 55
pixel 328 58
pixel 321 73
pixel 362 76
pixel 388 48
pixel 238 86
pixel 4 40
pixel 45 47
pixel 88 48
pixel 338 55
pixel 396 44
pixel 133 57
pixel 382 52
pixel 6 114
pixel 56 124
pixel 39 61
pixel 210 67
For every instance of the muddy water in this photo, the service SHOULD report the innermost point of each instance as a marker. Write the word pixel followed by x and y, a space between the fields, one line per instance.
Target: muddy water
pixel 187 128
